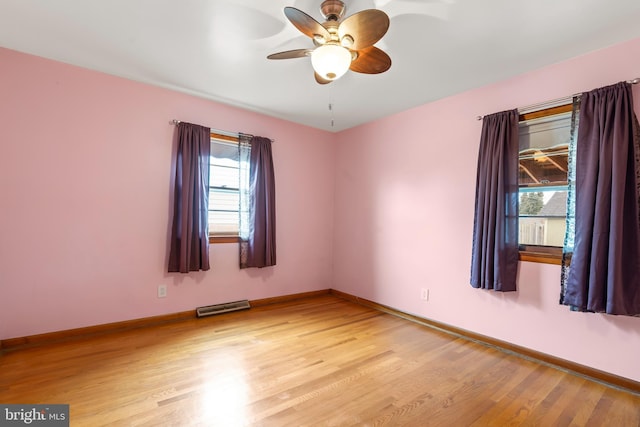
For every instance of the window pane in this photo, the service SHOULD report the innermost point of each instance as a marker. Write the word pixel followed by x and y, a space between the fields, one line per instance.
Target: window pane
pixel 544 150
pixel 223 222
pixel 223 211
pixel 223 192
pixel 225 177
pixel 545 132
pixel 223 200
pixel 543 214
pixel 544 166
pixel 223 152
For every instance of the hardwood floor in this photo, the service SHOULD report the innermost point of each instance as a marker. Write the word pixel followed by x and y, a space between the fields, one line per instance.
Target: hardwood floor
pixel 320 361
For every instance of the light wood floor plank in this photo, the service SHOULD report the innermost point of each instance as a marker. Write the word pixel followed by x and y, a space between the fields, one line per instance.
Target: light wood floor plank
pixel 321 361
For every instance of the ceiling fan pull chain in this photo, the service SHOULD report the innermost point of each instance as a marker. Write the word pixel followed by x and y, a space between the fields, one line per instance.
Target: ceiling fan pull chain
pixel 331 110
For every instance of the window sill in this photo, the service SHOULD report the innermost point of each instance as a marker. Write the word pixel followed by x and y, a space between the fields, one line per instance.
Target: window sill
pixel 541 257
pixel 223 239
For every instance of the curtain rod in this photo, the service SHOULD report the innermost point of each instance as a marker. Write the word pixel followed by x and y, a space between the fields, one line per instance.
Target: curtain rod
pixel 220 132
pixel 556 102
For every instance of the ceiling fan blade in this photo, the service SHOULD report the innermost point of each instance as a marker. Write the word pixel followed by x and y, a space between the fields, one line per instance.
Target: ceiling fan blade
pixel 320 80
pixel 366 28
pixel 305 23
pixel 371 61
pixel 289 54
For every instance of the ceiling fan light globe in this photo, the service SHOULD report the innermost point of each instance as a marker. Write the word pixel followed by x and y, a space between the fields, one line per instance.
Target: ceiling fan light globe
pixel 331 61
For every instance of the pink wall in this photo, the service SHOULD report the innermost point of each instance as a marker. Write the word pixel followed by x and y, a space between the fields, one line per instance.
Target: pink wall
pixel 405 187
pixel 85 164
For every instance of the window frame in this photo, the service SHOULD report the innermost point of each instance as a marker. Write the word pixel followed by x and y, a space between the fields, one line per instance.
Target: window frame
pixel 535 253
pixel 222 237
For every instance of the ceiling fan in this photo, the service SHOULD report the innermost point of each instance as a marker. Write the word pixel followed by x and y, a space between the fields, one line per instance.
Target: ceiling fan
pixel 340 44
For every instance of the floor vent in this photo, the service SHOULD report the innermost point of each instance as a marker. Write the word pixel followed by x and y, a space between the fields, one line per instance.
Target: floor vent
pixel 210 310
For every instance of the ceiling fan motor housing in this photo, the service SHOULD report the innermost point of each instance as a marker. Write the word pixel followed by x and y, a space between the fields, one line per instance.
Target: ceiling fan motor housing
pixel 332 10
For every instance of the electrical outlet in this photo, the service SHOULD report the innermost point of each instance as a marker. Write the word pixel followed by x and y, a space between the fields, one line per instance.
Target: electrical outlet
pixel 162 291
pixel 424 294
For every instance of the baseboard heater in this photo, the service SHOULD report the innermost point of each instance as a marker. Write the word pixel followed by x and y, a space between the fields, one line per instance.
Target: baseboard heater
pixel 226 307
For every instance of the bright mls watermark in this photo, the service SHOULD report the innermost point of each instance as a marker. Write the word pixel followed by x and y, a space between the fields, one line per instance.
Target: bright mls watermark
pixel 34 415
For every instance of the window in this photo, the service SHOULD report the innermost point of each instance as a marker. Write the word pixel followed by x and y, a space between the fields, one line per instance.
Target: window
pixel 224 193
pixel 543 165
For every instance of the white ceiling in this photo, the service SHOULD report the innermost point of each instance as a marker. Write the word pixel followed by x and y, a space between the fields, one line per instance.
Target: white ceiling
pixel 217 48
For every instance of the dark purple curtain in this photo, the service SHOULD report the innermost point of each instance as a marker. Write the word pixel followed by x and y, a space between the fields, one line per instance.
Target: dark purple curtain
pixel 190 229
pixel 605 268
pixel 494 256
pixel 258 247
